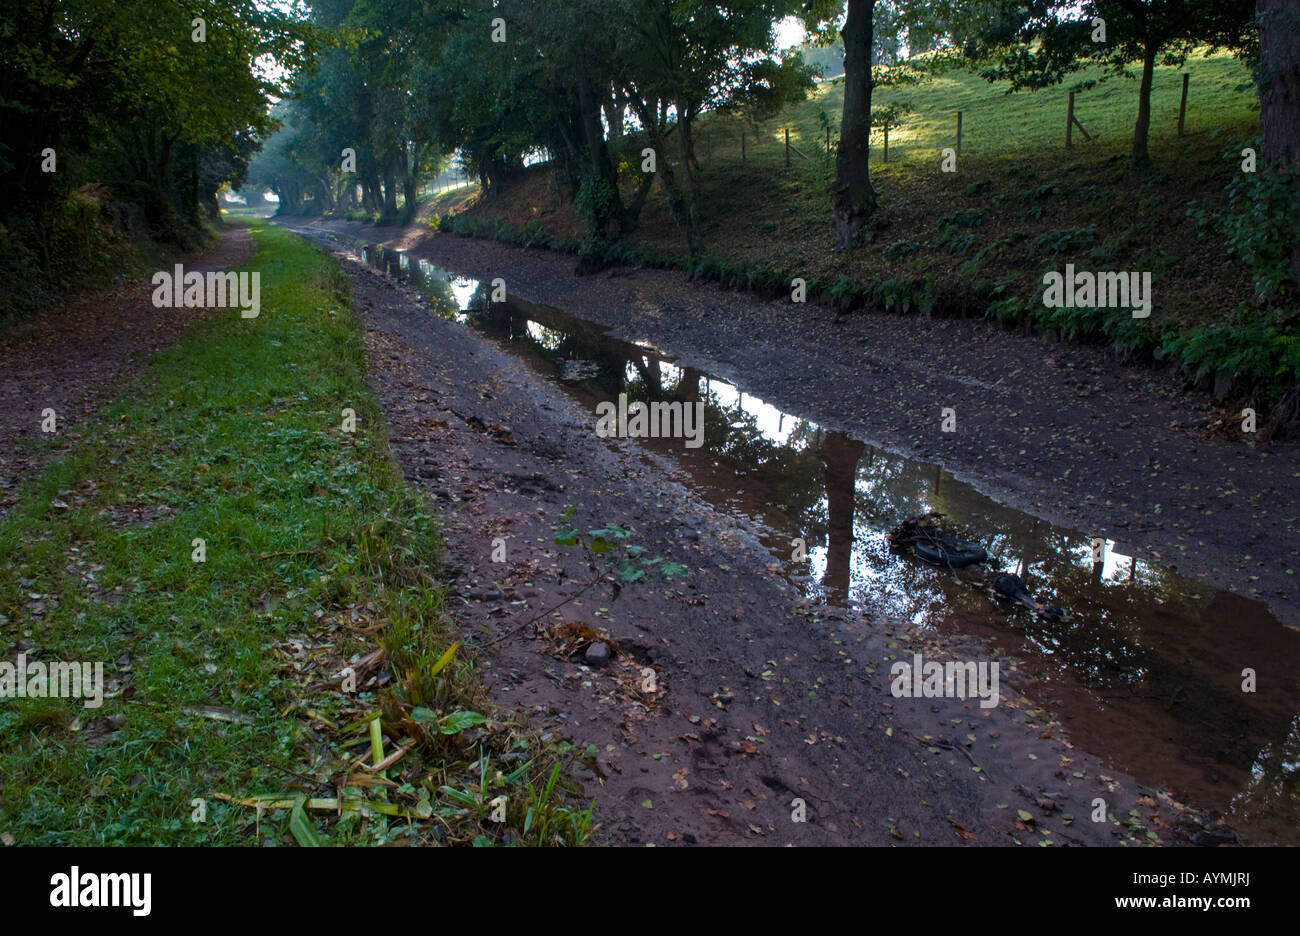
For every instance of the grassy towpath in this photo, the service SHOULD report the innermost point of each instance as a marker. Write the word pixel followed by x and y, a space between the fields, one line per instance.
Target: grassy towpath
pixel 263 592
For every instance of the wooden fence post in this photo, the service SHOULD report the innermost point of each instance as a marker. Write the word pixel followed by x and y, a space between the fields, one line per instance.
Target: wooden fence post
pixel 828 141
pixel 1071 122
pixel 886 159
pixel 1182 105
pixel 958 133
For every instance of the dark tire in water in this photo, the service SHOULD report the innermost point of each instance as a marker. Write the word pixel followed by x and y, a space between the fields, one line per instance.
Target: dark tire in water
pixel 950 553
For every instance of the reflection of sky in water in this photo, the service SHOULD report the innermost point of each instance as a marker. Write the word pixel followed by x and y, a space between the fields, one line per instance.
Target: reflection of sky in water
pixel 1116 566
pixel 773 424
pixel 871 580
pixel 671 374
pixel 878 584
pixel 462 290
pixel 548 338
pixel 452 294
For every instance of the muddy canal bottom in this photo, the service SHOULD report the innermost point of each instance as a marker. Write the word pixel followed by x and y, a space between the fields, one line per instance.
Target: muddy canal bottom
pixel 1145 668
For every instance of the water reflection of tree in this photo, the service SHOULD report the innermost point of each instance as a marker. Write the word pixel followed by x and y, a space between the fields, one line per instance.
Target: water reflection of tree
pixel 434 287
pixel 1119 640
pixel 1091 642
pixel 1272 796
pixel 1128 638
pixel 840 456
pixel 788 476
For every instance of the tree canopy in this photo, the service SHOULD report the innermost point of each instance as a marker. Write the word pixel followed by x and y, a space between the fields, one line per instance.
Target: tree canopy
pixel 162 103
pixel 1041 42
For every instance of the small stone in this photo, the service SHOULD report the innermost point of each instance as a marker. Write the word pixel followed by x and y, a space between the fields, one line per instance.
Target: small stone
pixel 598 652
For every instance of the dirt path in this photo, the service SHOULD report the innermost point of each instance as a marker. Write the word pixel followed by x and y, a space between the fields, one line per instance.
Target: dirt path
pixel 1061 431
pixel 758 702
pixel 72 358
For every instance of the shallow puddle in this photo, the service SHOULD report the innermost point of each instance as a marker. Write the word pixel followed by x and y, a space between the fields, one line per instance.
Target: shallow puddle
pixel 1145 667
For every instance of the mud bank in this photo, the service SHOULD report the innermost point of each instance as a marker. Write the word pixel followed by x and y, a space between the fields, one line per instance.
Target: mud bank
pixel 762 707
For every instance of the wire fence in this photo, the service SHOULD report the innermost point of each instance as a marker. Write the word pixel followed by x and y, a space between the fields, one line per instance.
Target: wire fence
pixel 777 144
pixel 782 145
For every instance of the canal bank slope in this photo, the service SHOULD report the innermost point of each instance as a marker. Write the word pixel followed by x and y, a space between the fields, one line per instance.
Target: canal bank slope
pixel 728 708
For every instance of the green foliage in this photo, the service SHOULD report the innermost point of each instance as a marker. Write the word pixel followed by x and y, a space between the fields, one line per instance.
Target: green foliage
pixel 1034 198
pixel 127 99
pixel 403 82
pixel 1072 239
pixel 964 218
pixel 890 115
pixel 1258 345
pixel 1263 228
pixel 532 816
pixel 626 562
pixel 960 244
pixel 594 202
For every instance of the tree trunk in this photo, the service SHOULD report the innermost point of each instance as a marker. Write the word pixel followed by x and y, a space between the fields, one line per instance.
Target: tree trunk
pixel 613 108
pixel 1279 97
pixel 840 455
pixel 370 189
pixel 610 219
pixel 326 194
pixel 673 191
pixel 852 198
pixel 411 197
pixel 1142 129
pixel 688 385
pixel 633 210
pixel 684 148
pixel 410 182
pixel 390 194
pixel 653 116
pixel 677 206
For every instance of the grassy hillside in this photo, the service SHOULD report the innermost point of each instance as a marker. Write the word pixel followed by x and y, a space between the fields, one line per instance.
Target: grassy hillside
pixel 1008 126
pixel 978 240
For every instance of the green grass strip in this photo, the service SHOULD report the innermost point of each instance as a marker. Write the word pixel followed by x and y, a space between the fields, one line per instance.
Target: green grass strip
pixel 233 436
